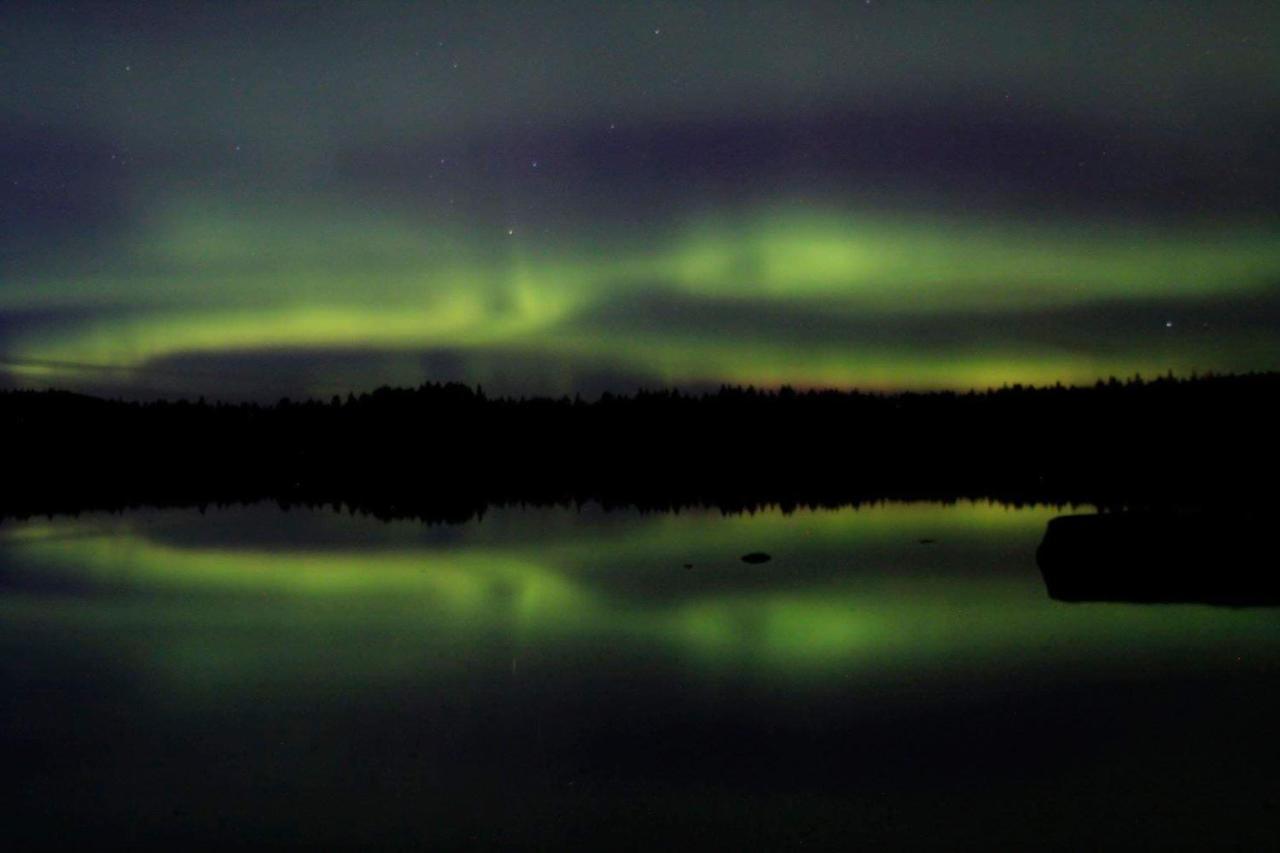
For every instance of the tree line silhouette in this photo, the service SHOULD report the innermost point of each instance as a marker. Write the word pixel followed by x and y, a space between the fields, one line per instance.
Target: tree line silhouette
pixel 445 451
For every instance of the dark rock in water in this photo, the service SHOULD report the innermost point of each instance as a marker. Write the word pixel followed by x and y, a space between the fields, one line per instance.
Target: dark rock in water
pixel 1152 557
pixel 756 557
pixel 928 541
pixel 688 565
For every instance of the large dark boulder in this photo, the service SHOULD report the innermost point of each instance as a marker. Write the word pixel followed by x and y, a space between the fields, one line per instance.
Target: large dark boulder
pixel 1213 558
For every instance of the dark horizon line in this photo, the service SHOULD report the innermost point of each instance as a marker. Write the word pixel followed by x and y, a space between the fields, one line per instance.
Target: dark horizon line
pixel 466 510
pixel 675 392
pixel 1193 442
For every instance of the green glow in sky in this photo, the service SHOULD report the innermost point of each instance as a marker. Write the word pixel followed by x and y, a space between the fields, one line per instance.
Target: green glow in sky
pixel 225 280
pixel 251 202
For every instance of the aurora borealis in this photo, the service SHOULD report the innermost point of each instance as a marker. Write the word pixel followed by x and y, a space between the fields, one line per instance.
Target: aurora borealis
pixel 249 200
pixel 530 582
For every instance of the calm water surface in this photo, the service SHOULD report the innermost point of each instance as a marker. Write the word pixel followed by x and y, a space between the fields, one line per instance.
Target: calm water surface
pixel 549 678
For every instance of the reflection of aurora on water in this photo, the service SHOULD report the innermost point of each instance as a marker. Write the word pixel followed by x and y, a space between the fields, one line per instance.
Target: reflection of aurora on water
pixel 849 593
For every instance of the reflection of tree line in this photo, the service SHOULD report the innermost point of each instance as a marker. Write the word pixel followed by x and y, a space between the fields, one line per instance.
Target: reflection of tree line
pixel 447 451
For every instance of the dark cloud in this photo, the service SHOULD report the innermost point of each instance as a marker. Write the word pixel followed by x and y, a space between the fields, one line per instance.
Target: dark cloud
pixel 40 320
pixel 969 156
pixel 267 374
pixel 1100 327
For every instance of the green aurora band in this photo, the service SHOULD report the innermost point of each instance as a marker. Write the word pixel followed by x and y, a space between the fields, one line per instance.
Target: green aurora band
pixel 205 278
pixel 251 200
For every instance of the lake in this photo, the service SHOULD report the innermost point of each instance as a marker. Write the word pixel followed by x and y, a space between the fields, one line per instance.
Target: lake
pixel 551 678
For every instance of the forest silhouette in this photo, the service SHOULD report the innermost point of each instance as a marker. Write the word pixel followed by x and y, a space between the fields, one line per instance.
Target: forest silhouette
pixel 445 452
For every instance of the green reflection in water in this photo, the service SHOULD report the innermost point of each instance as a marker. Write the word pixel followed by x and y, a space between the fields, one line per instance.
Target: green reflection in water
pixel 848 594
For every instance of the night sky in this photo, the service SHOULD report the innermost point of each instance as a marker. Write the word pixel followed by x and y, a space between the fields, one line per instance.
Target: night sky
pixel 254 199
